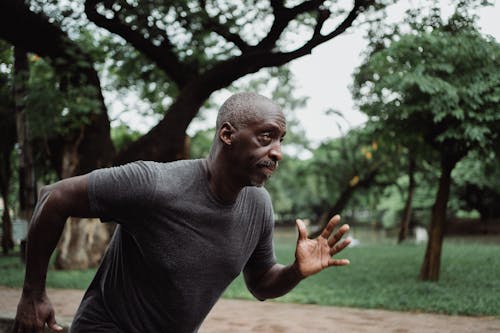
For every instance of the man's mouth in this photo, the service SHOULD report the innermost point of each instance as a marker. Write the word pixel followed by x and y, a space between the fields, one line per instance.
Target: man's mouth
pixel 268 166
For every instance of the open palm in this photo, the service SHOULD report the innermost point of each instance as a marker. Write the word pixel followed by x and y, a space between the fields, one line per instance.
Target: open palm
pixel 314 255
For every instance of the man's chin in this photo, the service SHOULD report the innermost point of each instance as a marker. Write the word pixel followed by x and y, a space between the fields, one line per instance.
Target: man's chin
pixel 259 182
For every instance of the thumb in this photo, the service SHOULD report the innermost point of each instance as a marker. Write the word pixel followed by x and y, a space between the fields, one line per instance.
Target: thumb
pixel 53 325
pixel 301 228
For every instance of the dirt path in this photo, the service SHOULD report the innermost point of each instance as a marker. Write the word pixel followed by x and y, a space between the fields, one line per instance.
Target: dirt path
pixel 234 316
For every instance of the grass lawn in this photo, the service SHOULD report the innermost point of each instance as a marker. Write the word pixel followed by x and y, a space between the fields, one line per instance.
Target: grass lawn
pixel 381 275
pixel 385 276
pixel 12 275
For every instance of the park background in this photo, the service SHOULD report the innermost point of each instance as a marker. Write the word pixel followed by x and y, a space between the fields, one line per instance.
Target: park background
pixel 394 122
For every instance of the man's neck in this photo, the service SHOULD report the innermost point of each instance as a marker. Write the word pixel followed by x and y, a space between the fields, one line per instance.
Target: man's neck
pixel 220 181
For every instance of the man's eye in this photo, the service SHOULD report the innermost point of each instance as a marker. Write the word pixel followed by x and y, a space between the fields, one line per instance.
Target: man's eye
pixel 265 138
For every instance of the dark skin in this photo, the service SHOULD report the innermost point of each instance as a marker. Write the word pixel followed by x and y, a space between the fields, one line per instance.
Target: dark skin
pixel 241 157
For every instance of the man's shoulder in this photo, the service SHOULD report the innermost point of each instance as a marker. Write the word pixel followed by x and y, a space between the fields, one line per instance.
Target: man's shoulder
pixel 181 165
pixel 151 170
pixel 258 194
pixel 179 173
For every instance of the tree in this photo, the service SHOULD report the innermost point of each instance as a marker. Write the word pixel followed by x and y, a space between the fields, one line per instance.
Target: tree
pixel 442 86
pixel 7 141
pixel 27 183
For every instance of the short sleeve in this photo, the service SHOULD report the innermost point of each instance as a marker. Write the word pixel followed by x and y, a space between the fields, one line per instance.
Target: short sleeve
pixel 119 194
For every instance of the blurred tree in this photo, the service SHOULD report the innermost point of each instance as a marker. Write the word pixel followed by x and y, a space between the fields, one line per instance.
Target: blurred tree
pixel 201 143
pixel 123 135
pixel 358 160
pixel 477 182
pixel 26 169
pixel 72 75
pixel 82 120
pixel 7 142
pixel 442 84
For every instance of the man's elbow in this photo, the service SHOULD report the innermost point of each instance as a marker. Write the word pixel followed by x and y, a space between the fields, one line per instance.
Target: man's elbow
pixel 51 200
pixel 258 294
pixel 254 286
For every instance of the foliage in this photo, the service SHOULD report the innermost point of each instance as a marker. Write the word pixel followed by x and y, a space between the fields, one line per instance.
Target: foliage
pixel 392 199
pixel 201 143
pixel 442 86
pixel 308 187
pixel 477 184
pixel 436 87
pixel 123 135
pixel 54 110
pixel 292 190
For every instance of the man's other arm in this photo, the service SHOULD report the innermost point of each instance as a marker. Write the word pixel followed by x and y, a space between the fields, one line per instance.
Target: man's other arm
pixel 57 202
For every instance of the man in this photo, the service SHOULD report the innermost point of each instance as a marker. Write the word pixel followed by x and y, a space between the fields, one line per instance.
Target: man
pixel 185 230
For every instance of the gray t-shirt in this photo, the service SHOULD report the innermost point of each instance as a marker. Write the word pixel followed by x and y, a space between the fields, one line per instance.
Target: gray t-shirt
pixel 175 250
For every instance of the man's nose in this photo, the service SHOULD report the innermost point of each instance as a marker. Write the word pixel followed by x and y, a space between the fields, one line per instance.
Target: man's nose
pixel 275 152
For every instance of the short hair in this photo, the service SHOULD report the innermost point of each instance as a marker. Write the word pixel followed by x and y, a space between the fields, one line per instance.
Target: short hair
pixel 241 108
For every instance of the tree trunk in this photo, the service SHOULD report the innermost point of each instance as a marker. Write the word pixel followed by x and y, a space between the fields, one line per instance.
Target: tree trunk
pixel 84 241
pixel 27 182
pixel 7 141
pixel 405 221
pixel 82 244
pixel 7 239
pixel 167 140
pixel 432 260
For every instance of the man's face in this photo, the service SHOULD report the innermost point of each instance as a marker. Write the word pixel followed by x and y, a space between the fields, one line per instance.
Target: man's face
pixel 257 146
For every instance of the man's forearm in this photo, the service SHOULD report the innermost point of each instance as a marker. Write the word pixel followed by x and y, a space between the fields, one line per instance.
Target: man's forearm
pixel 276 282
pixel 44 232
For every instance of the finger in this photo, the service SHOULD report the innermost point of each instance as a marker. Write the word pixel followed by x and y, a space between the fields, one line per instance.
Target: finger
pixel 338 235
pixel 330 226
pixel 51 322
pixel 301 228
pixel 340 247
pixel 338 262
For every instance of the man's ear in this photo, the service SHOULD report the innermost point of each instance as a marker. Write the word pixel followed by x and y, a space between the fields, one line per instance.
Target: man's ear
pixel 226 133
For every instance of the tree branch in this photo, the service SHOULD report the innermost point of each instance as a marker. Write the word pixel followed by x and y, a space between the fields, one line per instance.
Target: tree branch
pixel 281 58
pixel 222 30
pixel 163 55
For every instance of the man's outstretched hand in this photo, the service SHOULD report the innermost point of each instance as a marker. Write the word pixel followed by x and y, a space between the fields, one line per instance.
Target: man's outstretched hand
pixel 33 312
pixel 314 255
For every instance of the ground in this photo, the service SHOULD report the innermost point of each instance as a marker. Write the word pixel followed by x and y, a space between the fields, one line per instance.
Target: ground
pixel 270 317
